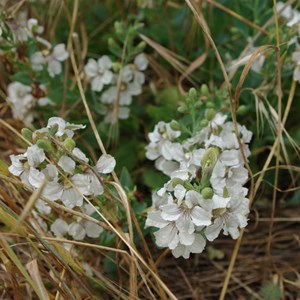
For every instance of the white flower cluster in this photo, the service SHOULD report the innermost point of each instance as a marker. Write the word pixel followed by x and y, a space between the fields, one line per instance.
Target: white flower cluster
pixel 205 193
pixel 116 99
pixel 292 16
pixel 22 98
pixel 79 228
pixel 55 163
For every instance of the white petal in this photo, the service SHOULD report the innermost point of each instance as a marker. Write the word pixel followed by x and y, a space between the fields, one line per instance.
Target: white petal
pixel 155 219
pixel 67 164
pixel 200 216
pixel 80 155
pixel 81 181
pixel 71 198
pixel 105 62
pixel 54 67
pixel 97 83
pixel 141 62
pixel 53 191
pixel 77 231
pixel 35 177
pixel 59 228
pixel 105 164
pixel 92 230
pixel 91 68
pixel 213 231
pixel 35 156
pixel 60 53
pixel 170 212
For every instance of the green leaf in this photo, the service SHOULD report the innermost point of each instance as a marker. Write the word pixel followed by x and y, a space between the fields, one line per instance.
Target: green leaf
pixel 22 77
pixel 125 179
pixel 154 179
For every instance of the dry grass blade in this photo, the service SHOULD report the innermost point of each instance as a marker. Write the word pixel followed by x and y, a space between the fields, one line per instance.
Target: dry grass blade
pixel 247 67
pixel 34 272
pixel 14 258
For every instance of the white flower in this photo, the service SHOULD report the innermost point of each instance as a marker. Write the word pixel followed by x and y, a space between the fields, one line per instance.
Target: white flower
pixel 133 71
pixel 231 218
pixel 196 247
pixel 124 95
pixel 21 100
pixel 53 59
pixel 62 127
pixel 100 72
pixel 105 164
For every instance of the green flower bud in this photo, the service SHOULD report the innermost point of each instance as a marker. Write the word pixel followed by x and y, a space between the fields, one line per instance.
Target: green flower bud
pixel 204 123
pixel 242 110
pixel 116 67
pixel 119 28
pixel 182 108
pixel 193 93
pixel 188 186
pixel 204 90
pixel 69 144
pixel 210 104
pixel 207 193
pixel 27 134
pixel 210 114
pixel 210 157
pixel 44 144
pixel 141 46
pixel 176 181
pixel 113 46
pixel 175 126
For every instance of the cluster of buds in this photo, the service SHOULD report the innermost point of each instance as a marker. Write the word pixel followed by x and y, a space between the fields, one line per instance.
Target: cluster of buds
pixel 205 193
pixel 60 170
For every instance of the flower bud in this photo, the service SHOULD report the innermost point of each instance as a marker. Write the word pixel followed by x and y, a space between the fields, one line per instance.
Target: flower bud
pixel 204 123
pixel 175 126
pixel 210 104
pixel 210 114
pixel 207 193
pixel 44 144
pixel 69 144
pixel 141 46
pixel 176 181
pixel 210 157
pixel 204 90
pixel 182 108
pixel 27 134
pixel 242 110
pixel 193 93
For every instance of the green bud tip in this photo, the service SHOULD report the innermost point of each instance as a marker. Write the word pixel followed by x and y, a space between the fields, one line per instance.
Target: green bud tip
pixel 207 193
pixel 193 93
pixel 141 46
pixel 204 123
pixel 175 126
pixel 210 157
pixel 69 144
pixel 44 144
pixel 210 114
pixel 182 108
pixel 176 181
pixel 27 134
pixel 242 110
pixel 210 104
pixel 204 90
